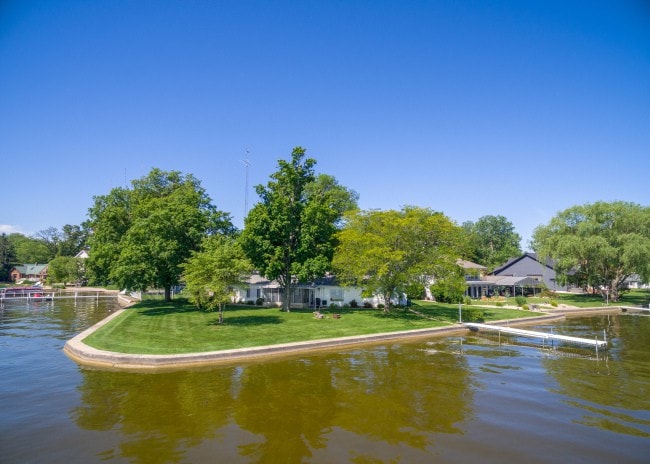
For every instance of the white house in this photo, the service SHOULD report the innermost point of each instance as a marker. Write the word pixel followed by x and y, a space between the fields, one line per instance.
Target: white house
pixel 319 293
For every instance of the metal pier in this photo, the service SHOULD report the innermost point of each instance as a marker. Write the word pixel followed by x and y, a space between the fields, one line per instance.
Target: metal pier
pixel 49 296
pixel 539 335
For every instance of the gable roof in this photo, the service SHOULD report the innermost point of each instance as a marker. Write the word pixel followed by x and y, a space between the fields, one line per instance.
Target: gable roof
pixel 470 265
pixel 549 263
pixel 31 269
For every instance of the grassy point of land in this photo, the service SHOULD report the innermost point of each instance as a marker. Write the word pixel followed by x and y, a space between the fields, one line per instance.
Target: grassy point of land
pixel 156 327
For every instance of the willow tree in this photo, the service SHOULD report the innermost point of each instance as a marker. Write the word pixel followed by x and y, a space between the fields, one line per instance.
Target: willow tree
pixel 598 245
pixel 386 252
pixel 290 234
pixel 141 236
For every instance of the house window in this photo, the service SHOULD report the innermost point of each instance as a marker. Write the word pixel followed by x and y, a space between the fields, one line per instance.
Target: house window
pixel 336 294
pixel 273 295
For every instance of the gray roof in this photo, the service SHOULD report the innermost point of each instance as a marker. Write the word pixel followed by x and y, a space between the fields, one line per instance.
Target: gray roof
pixel 548 262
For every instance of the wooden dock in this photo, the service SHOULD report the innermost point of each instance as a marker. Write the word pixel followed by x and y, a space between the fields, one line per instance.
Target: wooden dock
pixel 538 335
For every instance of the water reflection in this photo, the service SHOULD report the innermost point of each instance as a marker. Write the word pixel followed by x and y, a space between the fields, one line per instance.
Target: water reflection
pixel 282 411
pixel 611 391
pixel 451 399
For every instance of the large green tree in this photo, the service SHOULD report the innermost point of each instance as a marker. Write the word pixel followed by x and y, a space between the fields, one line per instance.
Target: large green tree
pixel 30 249
pixel 74 238
pixel 386 252
pixel 213 273
pixel 492 240
pixel 141 236
pixel 65 269
pixel 65 242
pixel 289 234
pixel 598 245
pixel 7 256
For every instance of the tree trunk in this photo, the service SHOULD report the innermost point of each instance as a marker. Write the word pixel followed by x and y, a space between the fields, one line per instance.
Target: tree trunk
pixel 220 313
pixel 286 304
pixel 168 293
pixel 387 302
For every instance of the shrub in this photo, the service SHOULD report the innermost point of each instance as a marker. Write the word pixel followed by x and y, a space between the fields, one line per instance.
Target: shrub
pixel 524 307
pixel 346 306
pixel 520 300
pixel 259 301
pixel 380 306
pixel 449 289
pixel 554 303
pixel 473 315
pixel 499 303
pixel 354 304
pixel 546 293
pixel 467 300
pixel 334 306
pixel 250 302
pixel 367 304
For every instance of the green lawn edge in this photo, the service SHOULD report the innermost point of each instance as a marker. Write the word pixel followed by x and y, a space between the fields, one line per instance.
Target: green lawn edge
pixel 155 327
pixel 177 327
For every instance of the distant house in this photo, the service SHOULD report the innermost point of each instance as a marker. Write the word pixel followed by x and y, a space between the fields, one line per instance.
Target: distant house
pixel 83 254
pixel 474 279
pixel 530 266
pixel 516 277
pixel 34 272
pixel 318 293
pixel 635 281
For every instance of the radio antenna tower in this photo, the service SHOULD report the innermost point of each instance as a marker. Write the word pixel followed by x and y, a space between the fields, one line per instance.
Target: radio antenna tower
pixel 247 163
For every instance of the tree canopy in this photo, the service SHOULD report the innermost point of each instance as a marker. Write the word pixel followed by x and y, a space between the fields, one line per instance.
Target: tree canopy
pixel 64 269
pixel 69 241
pixel 141 236
pixel 598 245
pixel 492 241
pixel 290 232
pixel 385 252
pixel 7 256
pixel 29 249
pixel 212 273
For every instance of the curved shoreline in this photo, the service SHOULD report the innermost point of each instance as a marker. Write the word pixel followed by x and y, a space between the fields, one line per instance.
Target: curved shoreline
pixel 89 356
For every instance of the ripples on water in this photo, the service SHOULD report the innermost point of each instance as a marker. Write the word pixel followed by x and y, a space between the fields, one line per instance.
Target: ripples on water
pixel 453 399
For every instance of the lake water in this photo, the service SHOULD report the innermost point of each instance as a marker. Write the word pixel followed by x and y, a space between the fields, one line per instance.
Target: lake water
pixel 453 399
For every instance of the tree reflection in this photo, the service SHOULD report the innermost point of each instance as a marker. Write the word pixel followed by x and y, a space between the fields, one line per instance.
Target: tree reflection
pixel 401 395
pixel 289 403
pixel 160 415
pixel 394 394
pixel 608 392
pixel 284 410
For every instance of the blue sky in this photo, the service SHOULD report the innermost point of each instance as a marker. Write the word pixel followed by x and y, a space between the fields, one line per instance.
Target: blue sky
pixel 514 108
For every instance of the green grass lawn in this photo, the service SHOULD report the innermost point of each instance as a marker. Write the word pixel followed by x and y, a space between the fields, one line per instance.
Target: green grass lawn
pixel 155 327
pixel 631 298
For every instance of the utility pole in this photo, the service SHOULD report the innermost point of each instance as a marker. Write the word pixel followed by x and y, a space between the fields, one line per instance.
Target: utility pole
pixel 247 163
